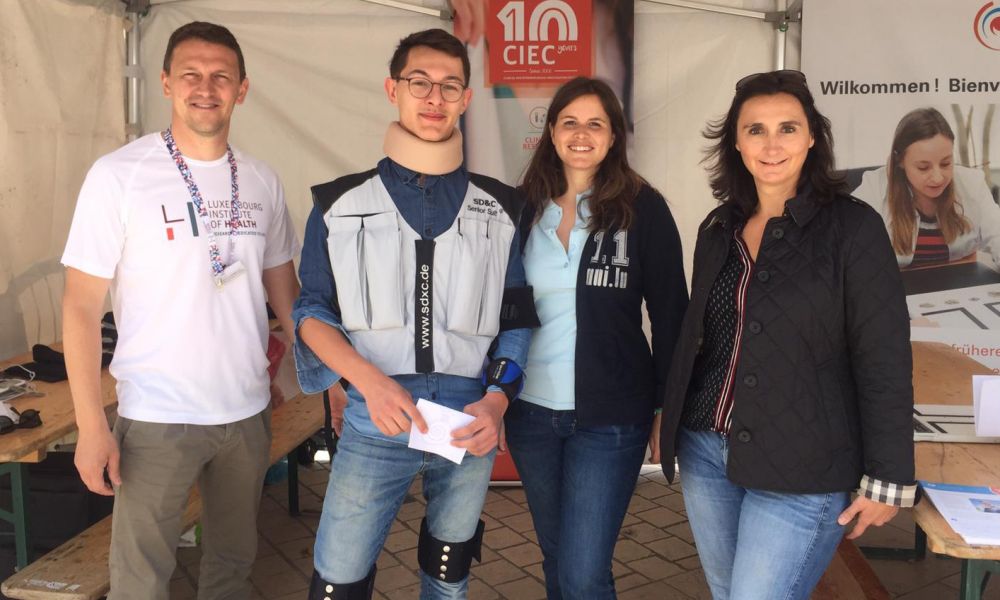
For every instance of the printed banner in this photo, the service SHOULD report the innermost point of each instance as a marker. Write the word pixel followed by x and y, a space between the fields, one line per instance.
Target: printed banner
pixel 537 42
pixel 531 48
pixel 911 87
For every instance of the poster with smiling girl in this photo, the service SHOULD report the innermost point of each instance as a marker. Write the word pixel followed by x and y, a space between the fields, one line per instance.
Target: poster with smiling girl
pixel 912 102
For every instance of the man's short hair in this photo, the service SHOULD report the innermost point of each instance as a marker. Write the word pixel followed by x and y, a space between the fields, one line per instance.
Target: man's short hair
pixel 435 39
pixel 206 32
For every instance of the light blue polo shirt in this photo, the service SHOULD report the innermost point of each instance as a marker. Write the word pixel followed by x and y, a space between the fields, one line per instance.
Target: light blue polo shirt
pixel 552 271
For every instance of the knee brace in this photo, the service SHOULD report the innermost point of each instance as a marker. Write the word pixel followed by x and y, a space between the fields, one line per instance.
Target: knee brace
pixel 448 561
pixel 359 590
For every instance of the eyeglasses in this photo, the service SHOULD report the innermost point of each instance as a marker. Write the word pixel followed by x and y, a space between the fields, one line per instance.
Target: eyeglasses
pixel 787 74
pixel 421 87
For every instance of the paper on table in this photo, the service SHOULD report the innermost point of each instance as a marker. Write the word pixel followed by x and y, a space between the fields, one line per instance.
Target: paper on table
pixel 441 420
pixel 986 404
pixel 972 511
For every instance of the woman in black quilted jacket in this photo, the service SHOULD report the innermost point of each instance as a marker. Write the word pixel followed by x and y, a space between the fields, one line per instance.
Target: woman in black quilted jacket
pixel 790 388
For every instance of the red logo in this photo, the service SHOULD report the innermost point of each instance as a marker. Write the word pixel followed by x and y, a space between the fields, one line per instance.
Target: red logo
pixel 987 26
pixel 539 42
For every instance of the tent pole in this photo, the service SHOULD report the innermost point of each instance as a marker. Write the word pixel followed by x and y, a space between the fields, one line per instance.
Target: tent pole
pixel 780 31
pixel 739 12
pixel 781 17
pixel 433 12
pixel 133 127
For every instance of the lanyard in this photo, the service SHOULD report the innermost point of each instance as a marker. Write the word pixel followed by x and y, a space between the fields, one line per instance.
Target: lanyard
pixel 214 256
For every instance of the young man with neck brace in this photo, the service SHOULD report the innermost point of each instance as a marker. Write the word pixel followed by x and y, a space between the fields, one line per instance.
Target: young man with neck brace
pixel 406 271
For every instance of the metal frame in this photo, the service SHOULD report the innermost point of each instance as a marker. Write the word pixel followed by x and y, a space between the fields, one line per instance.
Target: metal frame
pixel 293 482
pixel 133 73
pixel 975 576
pixel 917 552
pixel 725 10
pixel 781 17
pixel 444 15
pixel 18 514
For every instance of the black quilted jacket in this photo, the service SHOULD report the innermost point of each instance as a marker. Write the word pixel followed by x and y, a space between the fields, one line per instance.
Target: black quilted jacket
pixel 823 386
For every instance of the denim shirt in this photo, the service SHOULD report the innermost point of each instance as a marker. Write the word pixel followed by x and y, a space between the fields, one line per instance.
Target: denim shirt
pixel 429 204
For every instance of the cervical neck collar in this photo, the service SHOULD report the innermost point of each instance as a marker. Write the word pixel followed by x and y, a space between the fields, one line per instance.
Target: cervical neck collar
pixel 429 158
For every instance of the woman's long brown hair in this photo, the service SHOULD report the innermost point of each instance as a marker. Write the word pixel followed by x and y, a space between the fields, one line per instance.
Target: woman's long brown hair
pixel 615 184
pixel 917 125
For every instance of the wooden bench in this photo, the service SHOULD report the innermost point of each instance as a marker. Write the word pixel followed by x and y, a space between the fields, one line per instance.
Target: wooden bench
pixel 78 569
pixel 849 577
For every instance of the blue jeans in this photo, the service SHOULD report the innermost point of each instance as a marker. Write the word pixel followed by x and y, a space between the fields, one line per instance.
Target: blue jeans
pixel 368 482
pixel 754 544
pixel 578 482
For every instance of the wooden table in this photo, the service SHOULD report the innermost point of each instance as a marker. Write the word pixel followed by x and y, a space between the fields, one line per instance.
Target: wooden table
pixel 23 446
pixel 79 570
pixel 58 419
pixel 942 375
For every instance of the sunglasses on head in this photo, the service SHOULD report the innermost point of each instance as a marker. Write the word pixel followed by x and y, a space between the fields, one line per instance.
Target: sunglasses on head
pixel 786 74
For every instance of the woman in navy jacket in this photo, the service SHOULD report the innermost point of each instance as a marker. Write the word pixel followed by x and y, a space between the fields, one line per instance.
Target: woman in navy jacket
pixel 791 382
pixel 598 242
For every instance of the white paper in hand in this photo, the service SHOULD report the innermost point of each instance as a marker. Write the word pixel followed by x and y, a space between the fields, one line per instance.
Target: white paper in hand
pixel 986 400
pixel 441 420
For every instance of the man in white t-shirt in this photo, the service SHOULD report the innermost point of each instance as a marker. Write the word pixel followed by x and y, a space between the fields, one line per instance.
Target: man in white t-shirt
pixel 191 237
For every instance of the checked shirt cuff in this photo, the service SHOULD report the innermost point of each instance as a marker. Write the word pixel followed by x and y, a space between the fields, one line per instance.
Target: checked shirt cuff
pixel 887 492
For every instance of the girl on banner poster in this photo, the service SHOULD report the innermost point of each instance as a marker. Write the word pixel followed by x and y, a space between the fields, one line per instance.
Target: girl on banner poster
pixel 598 243
pixel 935 211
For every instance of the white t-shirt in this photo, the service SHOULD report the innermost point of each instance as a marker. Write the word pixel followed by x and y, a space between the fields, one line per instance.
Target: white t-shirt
pixel 188 352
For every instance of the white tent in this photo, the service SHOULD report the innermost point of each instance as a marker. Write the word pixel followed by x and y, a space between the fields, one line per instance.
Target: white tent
pixel 316 109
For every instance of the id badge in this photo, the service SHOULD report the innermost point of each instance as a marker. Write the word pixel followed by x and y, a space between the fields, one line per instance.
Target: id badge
pixel 230 273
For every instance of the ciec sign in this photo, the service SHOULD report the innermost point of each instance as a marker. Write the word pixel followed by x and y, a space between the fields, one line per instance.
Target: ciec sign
pixel 539 42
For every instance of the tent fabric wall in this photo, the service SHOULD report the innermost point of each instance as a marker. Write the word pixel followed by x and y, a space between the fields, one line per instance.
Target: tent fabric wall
pixel 61 106
pixel 686 65
pixel 317 110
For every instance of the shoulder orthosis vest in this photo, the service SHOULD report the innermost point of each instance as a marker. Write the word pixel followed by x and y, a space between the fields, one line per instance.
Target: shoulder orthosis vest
pixel 412 305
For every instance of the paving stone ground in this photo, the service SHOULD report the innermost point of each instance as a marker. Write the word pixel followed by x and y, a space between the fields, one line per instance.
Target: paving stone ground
pixel 655 558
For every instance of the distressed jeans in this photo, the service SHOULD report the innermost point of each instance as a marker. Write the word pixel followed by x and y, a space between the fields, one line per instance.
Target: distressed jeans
pixel 369 481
